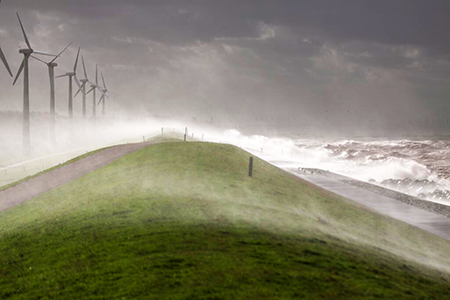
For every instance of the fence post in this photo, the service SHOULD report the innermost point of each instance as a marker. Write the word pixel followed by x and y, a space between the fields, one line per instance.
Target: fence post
pixel 185 134
pixel 162 130
pixel 250 167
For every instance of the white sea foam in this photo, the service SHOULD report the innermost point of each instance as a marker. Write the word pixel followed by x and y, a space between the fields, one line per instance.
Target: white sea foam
pixel 416 167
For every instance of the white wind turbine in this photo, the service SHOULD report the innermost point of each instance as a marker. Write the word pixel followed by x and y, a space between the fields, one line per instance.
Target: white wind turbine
pixel 94 86
pixel 26 89
pixel 104 91
pixel 82 88
pixel 71 75
pixel 51 72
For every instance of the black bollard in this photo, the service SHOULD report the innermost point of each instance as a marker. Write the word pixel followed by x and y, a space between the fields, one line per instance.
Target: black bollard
pixel 250 167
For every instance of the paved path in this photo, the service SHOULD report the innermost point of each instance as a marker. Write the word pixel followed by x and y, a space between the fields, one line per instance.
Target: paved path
pixel 63 175
pixel 436 224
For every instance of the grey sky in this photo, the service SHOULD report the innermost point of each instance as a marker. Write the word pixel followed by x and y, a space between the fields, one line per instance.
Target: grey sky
pixel 332 62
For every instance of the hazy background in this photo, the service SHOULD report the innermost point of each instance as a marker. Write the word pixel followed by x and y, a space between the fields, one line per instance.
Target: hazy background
pixel 283 66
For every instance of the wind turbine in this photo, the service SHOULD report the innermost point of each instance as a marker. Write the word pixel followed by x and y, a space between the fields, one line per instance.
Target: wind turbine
pixel 83 87
pixel 5 62
pixel 70 75
pixel 51 72
pixel 93 88
pixel 26 89
pixel 104 90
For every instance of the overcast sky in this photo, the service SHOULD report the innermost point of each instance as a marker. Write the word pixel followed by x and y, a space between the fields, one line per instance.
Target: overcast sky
pixel 327 61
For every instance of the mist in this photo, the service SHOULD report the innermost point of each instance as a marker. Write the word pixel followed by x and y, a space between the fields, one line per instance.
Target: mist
pixel 287 68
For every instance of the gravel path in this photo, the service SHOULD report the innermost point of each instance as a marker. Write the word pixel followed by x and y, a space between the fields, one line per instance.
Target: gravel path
pixel 63 175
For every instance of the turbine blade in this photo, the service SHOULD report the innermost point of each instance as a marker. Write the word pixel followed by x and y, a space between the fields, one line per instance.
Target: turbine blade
pixel 91 90
pixel 38 59
pixel 79 90
pixel 61 76
pixel 76 61
pixel 43 53
pixel 106 96
pixel 24 34
pixel 19 71
pixel 77 81
pixel 101 98
pixel 2 56
pixel 84 67
pixel 60 53
pixel 96 75
pixel 104 84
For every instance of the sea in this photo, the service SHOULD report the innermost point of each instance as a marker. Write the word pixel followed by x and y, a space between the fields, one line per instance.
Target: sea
pixel 418 166
pixel 415 166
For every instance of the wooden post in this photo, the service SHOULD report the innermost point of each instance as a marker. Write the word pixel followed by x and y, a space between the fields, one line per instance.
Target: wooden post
pixel 250 167
pixel 185 133
pixel 162 130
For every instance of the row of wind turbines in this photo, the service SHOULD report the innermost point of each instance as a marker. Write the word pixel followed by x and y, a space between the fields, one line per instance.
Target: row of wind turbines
pixel 24 67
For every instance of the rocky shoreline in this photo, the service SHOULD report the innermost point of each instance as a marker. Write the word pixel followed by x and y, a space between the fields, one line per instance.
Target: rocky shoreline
pixel 433 207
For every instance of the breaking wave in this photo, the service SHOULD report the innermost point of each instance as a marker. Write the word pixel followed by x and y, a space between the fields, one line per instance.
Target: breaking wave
pixel 420 168
pixel 417 168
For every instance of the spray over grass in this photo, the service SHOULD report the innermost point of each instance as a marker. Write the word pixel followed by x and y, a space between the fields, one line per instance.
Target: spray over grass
pixel 180 220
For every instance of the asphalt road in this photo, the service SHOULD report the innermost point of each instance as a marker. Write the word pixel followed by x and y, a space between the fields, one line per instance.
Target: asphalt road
pixel 434 223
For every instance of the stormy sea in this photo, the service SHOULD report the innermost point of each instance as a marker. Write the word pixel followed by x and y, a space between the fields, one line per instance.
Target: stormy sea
pixel 415 166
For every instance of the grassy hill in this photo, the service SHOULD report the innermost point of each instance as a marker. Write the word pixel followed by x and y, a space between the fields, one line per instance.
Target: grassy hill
pixel 184 221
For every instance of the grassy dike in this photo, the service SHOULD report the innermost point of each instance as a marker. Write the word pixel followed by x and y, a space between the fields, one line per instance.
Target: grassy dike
pixel 184 221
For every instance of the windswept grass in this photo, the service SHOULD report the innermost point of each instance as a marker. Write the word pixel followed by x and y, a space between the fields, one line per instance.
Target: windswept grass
pixel 184 221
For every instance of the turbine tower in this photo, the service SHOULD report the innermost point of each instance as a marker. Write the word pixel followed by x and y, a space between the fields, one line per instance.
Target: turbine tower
pixel 26 89
pixel 104 90
pixel 72 75
pixel 5 62
pixel 83 87
pixel 93 88
pixel 51 72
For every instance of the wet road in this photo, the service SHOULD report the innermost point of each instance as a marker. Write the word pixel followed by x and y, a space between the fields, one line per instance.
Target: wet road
pixel 436 224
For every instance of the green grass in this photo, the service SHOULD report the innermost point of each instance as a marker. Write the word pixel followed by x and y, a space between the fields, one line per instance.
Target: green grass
pixel 184 221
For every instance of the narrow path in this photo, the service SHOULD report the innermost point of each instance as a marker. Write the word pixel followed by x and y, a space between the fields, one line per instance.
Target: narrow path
pixel 63 175
pixel 436 224
pixel 36 159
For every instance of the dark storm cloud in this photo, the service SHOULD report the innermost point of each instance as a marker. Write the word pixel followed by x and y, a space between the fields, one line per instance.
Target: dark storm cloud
pixel 285 58
pixel 414 22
